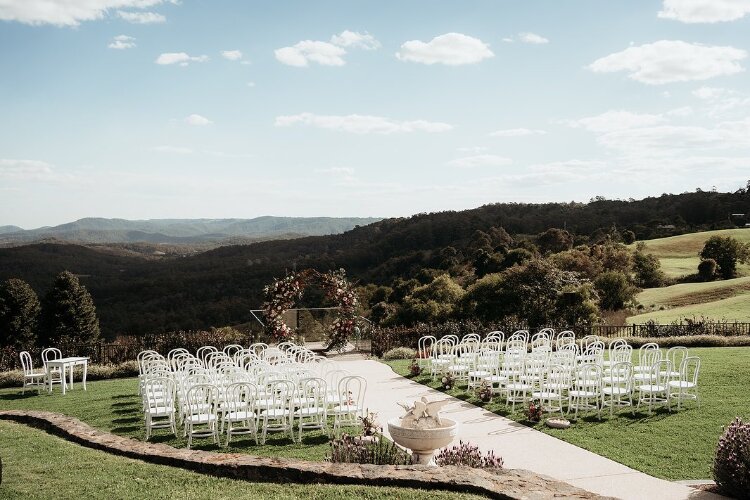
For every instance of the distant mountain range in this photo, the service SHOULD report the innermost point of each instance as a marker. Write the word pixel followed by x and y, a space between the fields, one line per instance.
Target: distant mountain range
pixel 182 231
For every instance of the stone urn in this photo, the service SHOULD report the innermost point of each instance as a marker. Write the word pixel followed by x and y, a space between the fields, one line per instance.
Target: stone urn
pixel 422 430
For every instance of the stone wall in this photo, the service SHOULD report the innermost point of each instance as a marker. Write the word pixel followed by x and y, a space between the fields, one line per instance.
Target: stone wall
pixel 509 484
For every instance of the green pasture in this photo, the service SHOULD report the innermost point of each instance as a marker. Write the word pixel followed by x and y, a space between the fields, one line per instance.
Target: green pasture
pixel 676 446
pixel 679 254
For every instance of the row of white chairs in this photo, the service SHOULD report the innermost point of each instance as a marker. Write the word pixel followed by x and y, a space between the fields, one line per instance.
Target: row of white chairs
pixel 252 391
pixel 582 377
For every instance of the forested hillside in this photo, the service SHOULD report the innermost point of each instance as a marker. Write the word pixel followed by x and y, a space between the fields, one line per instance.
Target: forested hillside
pixel 220 286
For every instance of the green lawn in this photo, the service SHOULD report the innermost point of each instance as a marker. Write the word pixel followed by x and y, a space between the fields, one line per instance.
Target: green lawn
pixel 675 446
pixel 679 254
pixel 38 465
pixel 114 406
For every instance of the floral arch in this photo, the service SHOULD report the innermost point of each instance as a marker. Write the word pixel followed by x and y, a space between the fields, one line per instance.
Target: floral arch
pixel 282 294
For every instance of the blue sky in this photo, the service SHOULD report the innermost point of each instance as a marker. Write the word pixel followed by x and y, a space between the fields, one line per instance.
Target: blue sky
pixel 163 109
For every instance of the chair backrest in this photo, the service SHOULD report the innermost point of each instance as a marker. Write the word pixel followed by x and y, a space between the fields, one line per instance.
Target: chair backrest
pixel 443 346
pixel 352 391
pixel 676 355
pixel 541 341
pixel 559 376
pixel 660 372
pixel 50 353
pixel 689 369
pixel 519 335
pixel 463 350
pixel 280 393
pixel 201 399
pixel 589 376
pixel 495 336
pixel 564 338
pixel 623 371
pixel 471 337
pixel 159 392
pixel 283 346
pixel 231 349
pixel 648 354
pixel 204 351
pixel 241 396
pixel 621 354
pixel 453 339
pixel 175 352
pixel 424 346
pixel 312 392
pixel 26 363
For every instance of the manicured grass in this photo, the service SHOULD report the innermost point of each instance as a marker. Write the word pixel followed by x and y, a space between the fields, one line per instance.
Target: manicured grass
pixel 679 254
pixel 674 446
pixel 38 465
pixel 114 406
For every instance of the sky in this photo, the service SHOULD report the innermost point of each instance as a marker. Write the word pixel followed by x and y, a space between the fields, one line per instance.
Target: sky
pixel 144 109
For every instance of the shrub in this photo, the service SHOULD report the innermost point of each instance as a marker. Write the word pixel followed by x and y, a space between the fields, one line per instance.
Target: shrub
pixel 707 269
pixel 692 341
pixel 468 455
pixel 732 462
pixel 19 314
pixel 727 252
pixel 378 451
pixel 614 290
pixel 400 353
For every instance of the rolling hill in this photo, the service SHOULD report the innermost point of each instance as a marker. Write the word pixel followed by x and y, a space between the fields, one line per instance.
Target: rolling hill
pixel 182 231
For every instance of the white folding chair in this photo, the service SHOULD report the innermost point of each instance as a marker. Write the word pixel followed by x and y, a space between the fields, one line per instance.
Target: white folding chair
pixel 311 410
pixel 201 419
pixel 351 393
pixel 240 416
pixel 30 377
pixel 686 386
pixel 159 398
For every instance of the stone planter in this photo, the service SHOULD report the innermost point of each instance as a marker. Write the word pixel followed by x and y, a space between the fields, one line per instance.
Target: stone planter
pixel 423 442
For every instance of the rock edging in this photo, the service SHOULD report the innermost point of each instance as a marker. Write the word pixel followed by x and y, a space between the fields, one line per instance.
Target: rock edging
pixel 508 484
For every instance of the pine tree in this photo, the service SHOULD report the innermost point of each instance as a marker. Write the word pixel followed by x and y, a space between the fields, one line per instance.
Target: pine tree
pixel 19 314
pixel 68 312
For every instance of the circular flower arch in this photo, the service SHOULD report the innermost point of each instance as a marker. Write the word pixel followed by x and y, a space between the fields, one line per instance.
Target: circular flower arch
pixel 282 294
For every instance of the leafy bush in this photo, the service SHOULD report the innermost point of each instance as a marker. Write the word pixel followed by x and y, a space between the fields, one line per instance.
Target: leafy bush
pixel 400 353
pixel 468 455
pixel 614 290
pixel 707 269
pixel 727 252
pixel 732 462
pixel 378 451
pixel 692 341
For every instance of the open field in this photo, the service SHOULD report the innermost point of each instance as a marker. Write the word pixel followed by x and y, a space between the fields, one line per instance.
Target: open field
pixel 30 470
pixel 729 300
pixel 675 446
pixel 679 254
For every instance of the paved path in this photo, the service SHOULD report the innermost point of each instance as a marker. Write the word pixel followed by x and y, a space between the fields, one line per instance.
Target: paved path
pixel 520 447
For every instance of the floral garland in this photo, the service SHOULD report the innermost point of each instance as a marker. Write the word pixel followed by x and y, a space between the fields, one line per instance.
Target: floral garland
pixel 282 294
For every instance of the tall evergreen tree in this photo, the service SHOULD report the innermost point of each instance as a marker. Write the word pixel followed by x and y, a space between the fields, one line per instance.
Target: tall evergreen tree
pixel 68 312
pixel 19 314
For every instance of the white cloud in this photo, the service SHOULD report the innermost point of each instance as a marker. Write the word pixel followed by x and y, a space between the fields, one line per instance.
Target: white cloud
pixel 508 40
pixel 452 49
pixel 473 149
pixel 251 84
pixel 303 53
pixel 141 17
pixel 67 12
pixel 709 92
pixel 616 120
pixel 197 120
pixel 180 58
pixel 517 132
pixel 173 149
pixel 680 112
pixel 669 61
pixel 121 42
pixel 231 55
pixel 355 39
pixel 532 38
pixel 24 169
pixel 360 124
pixel 704 11
pixel 485 160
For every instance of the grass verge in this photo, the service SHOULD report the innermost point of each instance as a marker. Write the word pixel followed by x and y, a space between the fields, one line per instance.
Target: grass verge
pixel 38 465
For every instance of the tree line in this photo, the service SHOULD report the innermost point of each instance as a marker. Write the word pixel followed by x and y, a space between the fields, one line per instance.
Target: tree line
pixel 221 286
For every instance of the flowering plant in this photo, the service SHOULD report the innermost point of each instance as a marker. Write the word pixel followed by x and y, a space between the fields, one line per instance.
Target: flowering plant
pixel 534 411
pixel 485 391
pixel 370 425
pixel 414 368
pixel 467 454
pixel 448 381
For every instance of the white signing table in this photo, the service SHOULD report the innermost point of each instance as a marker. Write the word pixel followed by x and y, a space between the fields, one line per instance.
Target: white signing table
pixel 63 364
